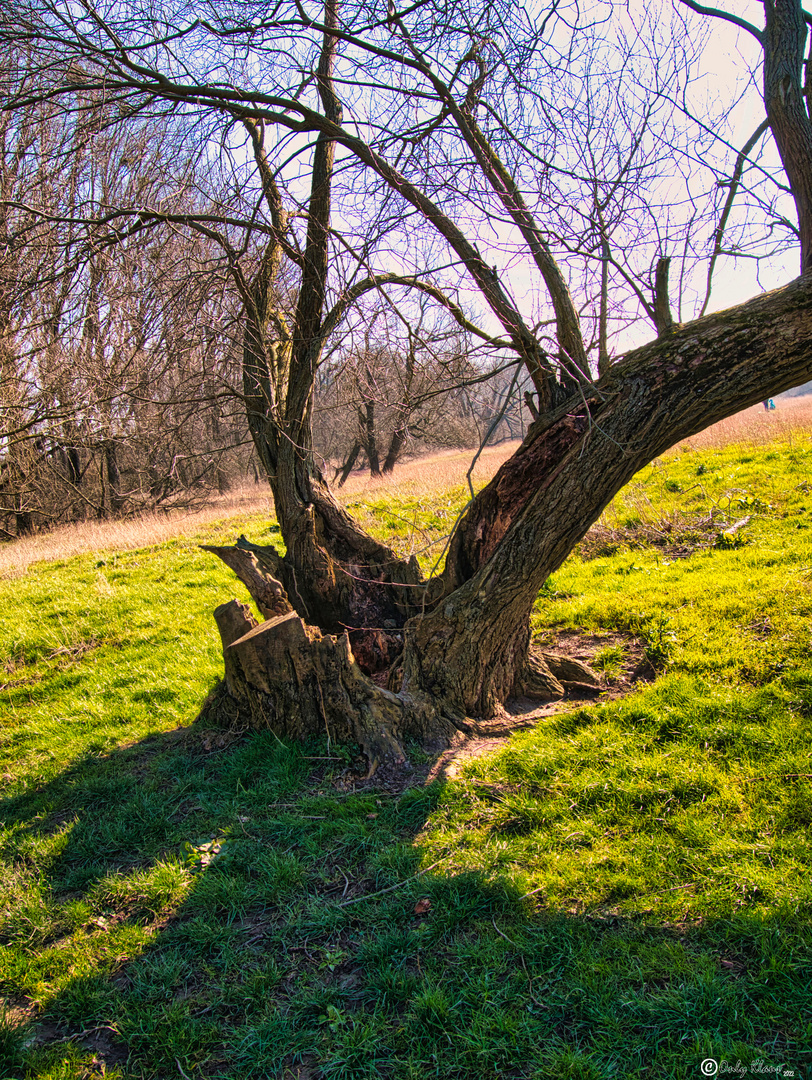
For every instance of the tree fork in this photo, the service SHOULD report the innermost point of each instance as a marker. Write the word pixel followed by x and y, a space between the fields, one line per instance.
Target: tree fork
pixel 471 649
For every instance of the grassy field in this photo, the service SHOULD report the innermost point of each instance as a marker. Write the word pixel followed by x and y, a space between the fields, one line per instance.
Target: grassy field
pixel 622 891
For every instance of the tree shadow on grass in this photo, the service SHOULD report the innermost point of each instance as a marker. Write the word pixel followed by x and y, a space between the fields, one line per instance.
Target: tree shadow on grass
pixel 194 906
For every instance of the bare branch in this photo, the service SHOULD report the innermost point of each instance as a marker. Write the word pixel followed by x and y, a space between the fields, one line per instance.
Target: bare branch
pixel 717 13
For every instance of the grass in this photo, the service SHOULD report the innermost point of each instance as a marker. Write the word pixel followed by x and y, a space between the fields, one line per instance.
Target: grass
pixel 623 891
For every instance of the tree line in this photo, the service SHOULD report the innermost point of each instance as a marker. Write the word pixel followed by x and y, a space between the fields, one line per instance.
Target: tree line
pixel 120 340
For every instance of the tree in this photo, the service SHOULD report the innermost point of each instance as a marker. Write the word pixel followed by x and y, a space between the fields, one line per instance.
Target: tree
pixel 401 383
pixel 114 397
pixel 462 118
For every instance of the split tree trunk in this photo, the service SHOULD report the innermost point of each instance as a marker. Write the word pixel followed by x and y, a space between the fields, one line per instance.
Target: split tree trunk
pixel 465 635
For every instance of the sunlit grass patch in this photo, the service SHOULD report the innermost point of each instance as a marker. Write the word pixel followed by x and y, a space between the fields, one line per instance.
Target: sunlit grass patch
pixel 622 891
pixel 677 800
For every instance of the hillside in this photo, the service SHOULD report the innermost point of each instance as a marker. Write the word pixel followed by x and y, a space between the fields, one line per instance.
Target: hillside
pixel 622 889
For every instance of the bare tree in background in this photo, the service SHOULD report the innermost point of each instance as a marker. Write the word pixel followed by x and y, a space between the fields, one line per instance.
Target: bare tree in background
pixel 400 384
pixel 468 122
pixel 116 349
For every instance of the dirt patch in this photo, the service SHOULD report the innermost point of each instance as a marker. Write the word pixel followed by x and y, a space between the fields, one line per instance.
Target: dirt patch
pixel 213 740
pixel 393 779
pixel 18 1011
pixel 632 667
pixel 107 1048
pixel 306 1069
pixel 449 763
pixel 204 741
pixel 102 1041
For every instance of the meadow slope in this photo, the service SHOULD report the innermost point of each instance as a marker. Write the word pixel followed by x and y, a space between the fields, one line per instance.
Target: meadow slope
pixel 622 890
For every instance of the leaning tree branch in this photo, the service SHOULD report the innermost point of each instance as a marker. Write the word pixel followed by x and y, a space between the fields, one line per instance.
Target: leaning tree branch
pixel 716 13
pixel 340 308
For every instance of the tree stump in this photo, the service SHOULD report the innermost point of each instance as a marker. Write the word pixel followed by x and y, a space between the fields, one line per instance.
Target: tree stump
pixel 290 677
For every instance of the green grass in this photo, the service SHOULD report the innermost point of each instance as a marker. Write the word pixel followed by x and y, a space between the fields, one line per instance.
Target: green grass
pixel 623 891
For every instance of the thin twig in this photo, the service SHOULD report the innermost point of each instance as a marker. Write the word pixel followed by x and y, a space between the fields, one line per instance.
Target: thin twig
pixel 87 1031
pixel 778 776
pixel 499 932
pixel 531 893
pixel 493 426
pixel 497 420
pixel 371 896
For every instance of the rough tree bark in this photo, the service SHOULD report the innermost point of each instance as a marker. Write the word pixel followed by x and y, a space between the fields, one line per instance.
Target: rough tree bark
pixel 461 642
pixel 396 444
pixel 343 471
pixel 542 501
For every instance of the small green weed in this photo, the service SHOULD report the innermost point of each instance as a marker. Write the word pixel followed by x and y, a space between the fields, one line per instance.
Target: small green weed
pixel 728 540
pixel 658 636
pixel 609 659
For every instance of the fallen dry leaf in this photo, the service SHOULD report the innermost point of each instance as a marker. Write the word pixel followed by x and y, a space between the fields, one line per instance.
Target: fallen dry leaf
pixel 422 907
pixel 731 965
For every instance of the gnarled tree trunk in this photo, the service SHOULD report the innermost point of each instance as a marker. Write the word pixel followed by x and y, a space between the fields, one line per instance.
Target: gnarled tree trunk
pixel 456 648
pixel 465 637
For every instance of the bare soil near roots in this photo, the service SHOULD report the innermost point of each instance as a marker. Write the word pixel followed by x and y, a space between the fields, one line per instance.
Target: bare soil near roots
pixel 447 761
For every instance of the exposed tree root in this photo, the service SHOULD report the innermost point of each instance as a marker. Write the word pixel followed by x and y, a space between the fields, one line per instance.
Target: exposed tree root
pixel 547 676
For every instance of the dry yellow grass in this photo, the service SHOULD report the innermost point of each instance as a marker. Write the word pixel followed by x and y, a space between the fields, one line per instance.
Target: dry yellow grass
pixel 438 472
pixel 756 426
pixel 136 532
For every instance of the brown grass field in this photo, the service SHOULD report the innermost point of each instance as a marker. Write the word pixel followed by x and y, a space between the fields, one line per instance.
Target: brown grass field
pixel 437 472
pixel 756 427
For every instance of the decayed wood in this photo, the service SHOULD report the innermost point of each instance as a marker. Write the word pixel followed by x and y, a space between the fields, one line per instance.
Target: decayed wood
pixel 291 678
pixel 267 592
